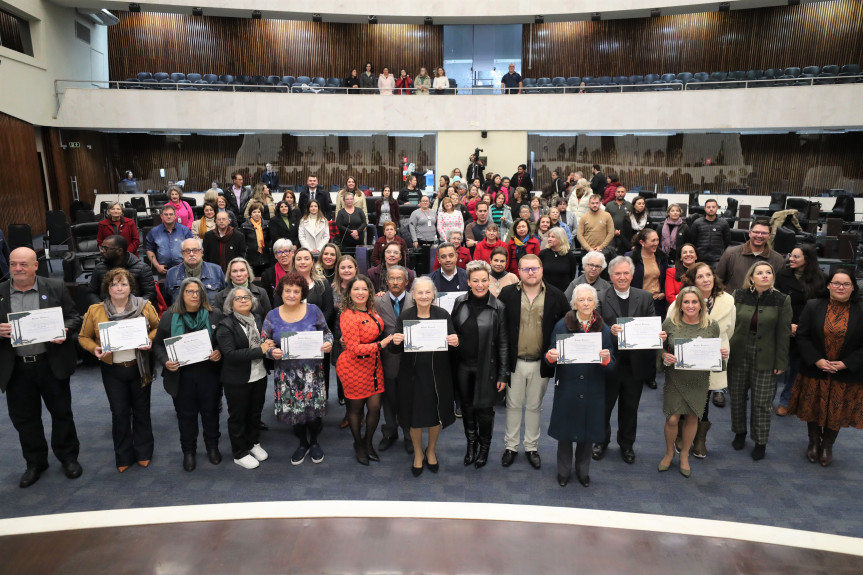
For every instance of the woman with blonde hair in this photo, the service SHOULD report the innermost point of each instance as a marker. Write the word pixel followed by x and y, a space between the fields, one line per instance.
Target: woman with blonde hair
pixel 359 198
pixel 261 194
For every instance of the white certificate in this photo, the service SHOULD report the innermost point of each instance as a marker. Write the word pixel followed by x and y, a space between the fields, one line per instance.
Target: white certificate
pixel 699 354
pixel 189 348
pixel 640 332
pixel 124 334
pixel 302 344
pixel 446 299
pixel 579 347
pixel 425 335
pixel 37 326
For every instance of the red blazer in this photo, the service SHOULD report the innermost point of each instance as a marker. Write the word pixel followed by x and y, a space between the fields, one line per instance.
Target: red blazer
pixel 359 365
pixel 482 251
pixel 672 286
pixel 128 230
pixel 531 246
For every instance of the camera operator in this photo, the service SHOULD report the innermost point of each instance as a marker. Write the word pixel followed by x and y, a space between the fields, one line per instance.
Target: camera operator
pixel 475 169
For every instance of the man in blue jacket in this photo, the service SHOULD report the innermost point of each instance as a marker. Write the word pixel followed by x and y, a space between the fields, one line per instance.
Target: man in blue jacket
pixel 211 275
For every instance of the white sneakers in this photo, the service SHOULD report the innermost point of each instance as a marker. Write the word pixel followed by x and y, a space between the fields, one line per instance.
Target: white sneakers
pixel 258 452
pixel 247 462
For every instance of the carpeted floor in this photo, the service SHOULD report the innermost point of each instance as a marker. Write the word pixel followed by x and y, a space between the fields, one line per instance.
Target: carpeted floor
pixel 782 490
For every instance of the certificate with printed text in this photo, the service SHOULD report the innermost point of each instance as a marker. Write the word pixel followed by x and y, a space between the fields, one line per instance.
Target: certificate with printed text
pixel 698 354
pixel 37 326
pixel 124 334
pixel 579 347
pixel 302 344
pixel 189 348
pixel 425 335
pixel 639 332
pixel 446 299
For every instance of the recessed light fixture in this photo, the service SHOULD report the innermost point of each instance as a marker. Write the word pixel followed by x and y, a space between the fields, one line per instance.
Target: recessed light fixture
pixel 725 6
pixel 317 18
pixel 373 19
pixel 197 11
pixel 655 13
pixel 538 19
pixel 134 7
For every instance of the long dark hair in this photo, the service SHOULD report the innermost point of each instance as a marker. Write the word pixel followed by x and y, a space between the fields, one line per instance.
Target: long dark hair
pixel 813 280
pixel 643 214
pixel 855 289
pixel 679 270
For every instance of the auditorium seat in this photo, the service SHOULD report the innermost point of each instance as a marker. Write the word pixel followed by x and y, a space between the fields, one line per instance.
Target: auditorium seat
pixel 144 76
pixel 739 76
pixel 227 78
pixel 620 80
pixel 528 85
pixel 588 80
pixel 273 80
pixel 288 80
pixel 810 72
pixel 210 78
pixel 772 74
pixel 656 208
pixel 847 73
pixel 572 84
pixel 828 75
pixel 755 74
pixel 194 77
pixel 333 85
pixel 558 84
pixel 177 76
pixel 777 201
pixel 185 85
pixel 161 76
pixel 685 77
pixel 543 85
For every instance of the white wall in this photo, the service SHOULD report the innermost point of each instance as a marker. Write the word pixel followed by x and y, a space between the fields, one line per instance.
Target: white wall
pixel 504 150
pixel 28 82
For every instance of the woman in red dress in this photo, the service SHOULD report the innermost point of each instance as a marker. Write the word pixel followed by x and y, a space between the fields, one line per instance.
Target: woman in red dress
pixel 359 365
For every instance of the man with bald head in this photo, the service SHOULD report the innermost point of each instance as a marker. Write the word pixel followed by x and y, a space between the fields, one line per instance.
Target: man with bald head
pixel 40 372
pixel 194 266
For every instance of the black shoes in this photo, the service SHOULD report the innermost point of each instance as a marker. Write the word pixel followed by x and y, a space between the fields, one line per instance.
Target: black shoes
pixel 189 461
pixel 628 456
pixel 739 441
pixel 72 469
pixel 433 467
pixel 650 384
pixel 214 455
pixel 31 475
pixel 387 442
pixel 759 451
pixel 263 426
pixel 533 459
pixel 416 471
pixel 584 480
pixel 409 446
pixel 599 451
pixel 718 399
pixel 562 481
pixel 482 454
pixel 508 457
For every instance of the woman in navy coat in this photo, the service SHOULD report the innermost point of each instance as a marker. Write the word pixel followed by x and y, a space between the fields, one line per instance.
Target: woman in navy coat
pixel 578 412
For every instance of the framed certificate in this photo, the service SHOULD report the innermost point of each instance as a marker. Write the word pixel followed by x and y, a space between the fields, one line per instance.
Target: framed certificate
pixel 37 326
pixel 302 344
pixel 698 354
pixel 124 334
pixel 639 332
pixel 425 335
pixel 189 348
pixel 579 347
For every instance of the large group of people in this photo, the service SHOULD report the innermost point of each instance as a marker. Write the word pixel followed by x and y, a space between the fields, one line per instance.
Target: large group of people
pixel 521 271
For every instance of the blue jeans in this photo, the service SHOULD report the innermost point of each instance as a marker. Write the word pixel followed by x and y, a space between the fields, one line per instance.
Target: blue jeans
pixel 790 375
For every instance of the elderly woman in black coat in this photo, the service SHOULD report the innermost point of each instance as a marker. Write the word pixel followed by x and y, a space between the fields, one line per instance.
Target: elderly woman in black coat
pixel 482 372
pixel 578 412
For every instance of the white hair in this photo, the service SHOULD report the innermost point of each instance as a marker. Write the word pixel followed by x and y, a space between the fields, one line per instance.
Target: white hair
pixel 584 287
pixel 591 255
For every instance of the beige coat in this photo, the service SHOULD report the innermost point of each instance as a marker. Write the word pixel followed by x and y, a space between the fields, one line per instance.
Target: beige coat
pixel 96 314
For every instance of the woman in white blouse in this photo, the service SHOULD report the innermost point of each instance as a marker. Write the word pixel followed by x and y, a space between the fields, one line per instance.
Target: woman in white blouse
pixel 441 82
pixel 386 83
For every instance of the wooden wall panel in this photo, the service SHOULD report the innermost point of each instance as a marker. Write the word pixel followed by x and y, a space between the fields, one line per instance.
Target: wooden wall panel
pixel 10 34
pixel 92 166
pixel 22 200
pixel 762 163
pixel 811 34
pixel 211 45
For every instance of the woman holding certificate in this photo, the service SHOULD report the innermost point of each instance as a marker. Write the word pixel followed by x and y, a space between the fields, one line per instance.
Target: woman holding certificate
pixel 483 359
pixel 301 396
pixel 184 348
pixel 425 382
pixel 127 369
pixel 687 379
pixel 578 413
pixel 244 374
pixel 760 349
pixel 359 366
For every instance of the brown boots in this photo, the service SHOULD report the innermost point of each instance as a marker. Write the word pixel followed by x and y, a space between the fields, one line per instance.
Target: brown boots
pixel 821 440
pixel 699 444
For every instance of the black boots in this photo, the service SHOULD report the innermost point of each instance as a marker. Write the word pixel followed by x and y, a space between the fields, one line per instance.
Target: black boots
pixel 470 432
pixel 485 425
pixel 828 437
pixel 814 448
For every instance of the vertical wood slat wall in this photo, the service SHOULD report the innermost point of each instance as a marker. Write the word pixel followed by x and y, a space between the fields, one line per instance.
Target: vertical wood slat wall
pixel 10 34
pixel 22 200
pixel 155 42
pixel 811 34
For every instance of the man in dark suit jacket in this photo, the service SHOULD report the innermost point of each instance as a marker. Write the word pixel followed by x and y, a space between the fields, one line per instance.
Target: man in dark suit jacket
pixel 313 192
pixel 535 306
pixel 626 381
pixel 598 182
pixel 385 305
pixel 40 372
pixel 238 204
pixel 270 178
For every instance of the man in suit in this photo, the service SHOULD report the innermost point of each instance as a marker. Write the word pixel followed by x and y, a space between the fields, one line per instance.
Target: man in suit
pixel 270 178
pixel 389 306
pixel 238 196
pixel 448 277
pixel 40 372
pixel 598 182
pixel 625 383
pixel 532 309
pixel 313 192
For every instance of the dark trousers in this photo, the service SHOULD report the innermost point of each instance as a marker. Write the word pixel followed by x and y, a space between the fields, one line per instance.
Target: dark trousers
pixel 130 413
pixel 390 428
pixel 245 404
pixel 308 432
pixel 478 420
pixel 199 393
pixel 623 387
pixel 582 458
pixel 30 385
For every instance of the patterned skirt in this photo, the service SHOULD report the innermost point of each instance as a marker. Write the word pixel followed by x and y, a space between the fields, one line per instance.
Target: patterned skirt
pixel 832 404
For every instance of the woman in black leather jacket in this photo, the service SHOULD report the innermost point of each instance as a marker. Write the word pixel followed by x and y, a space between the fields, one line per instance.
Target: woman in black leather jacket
pixel 481 373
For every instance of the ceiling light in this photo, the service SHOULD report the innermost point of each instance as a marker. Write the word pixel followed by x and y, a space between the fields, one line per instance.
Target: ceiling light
pixel 538 19
pixel 134 7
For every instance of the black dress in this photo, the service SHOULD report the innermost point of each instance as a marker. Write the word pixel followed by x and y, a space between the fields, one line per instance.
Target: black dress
pixel 558 270
pixel 425 379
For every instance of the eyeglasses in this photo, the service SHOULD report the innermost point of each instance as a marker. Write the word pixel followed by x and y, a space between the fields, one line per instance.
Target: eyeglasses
pixel 759 233
pixel 530 270
pixel 192 292
pixel 104 248
pixel 242 298
pixel 837 285
pixel 191 251
pixel 595 266
pixel 281 253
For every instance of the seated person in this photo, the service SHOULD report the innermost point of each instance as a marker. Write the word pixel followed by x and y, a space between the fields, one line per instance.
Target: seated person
pixel 114 250
pixel 390 235
pixel 193 265
pixel 164 242
pixel 393 256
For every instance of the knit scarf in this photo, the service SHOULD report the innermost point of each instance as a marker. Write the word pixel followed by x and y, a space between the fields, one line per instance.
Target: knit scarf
pixel 669 234
pixel 202 226
pixel 182 323
pixel 134 308
pixel 259 234
pixel 248 322
pixel 194 272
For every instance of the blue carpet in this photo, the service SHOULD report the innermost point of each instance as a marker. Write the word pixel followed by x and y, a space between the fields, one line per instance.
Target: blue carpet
pixel 782 490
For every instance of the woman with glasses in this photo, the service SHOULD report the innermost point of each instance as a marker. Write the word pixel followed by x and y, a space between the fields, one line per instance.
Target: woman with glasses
pixel 828 393
pixel 283 250
pixel 194 387
pixel 759 347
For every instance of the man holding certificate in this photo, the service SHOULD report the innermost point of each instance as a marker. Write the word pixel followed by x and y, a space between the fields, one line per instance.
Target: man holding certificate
pixel 633 358
pixel 39 372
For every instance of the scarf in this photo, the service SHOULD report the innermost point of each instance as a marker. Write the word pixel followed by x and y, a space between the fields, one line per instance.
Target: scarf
pixel 194 272
pixel 134 308
pixel 575 325
pixel 280 272
pixel 203 227
pixel 245 284
pixel 636 226
pixel 259 234
pixel 182 323
pixel 248 323
pixel 669 234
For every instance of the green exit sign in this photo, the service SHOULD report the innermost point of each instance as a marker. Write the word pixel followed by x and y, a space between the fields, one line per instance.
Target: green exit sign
pixel 74 144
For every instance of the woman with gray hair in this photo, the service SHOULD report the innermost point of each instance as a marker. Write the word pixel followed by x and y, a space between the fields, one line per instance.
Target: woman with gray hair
pixel 244 374
pixel 578 412
pixel 194 387
pixel 283 251
pixel 592 264
pixel 425 382
pixel 240 274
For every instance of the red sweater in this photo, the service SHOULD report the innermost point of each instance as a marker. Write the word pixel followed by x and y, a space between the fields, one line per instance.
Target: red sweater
pixel 128 230
pixel 531 246
pixel 482 250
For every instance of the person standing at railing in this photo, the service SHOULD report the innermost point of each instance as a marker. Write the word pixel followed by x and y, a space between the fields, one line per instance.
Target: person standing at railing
pixel 368 82
pixel 441 82
pixel 511 82
pixel 423 82
pixel 352 82
pixel 386 83
pixel 404 84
